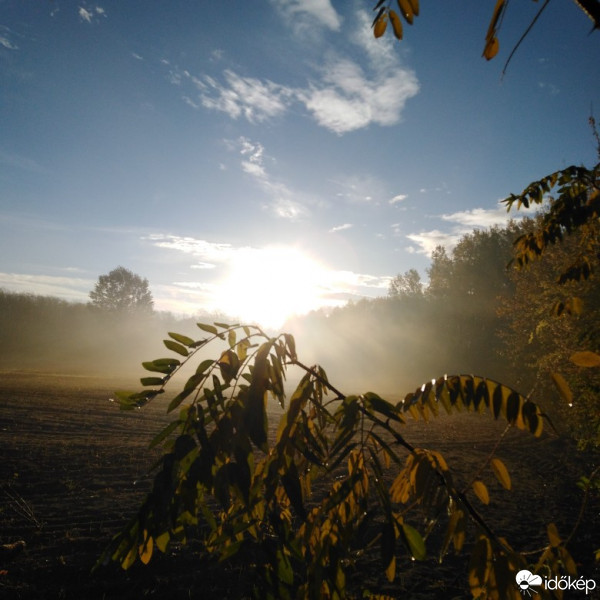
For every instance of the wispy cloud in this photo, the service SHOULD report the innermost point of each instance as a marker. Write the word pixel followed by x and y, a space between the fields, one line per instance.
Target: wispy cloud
pixel 303 14
pixel 398 198
pixel 209 254
pixel 281 200
pixel 249 97
pixel 5 41
pixel 343 95
pixel 341 227
pixel 91 14
pixel 67 288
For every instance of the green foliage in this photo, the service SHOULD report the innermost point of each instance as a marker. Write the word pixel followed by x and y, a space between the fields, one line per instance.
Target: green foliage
pixel 304 499
pixel 554 314
pixel 575 208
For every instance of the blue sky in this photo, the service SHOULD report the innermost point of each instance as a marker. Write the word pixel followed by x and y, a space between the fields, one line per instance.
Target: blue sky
pixel 268 157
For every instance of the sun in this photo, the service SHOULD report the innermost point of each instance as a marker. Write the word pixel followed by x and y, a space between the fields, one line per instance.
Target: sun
pixel 269 285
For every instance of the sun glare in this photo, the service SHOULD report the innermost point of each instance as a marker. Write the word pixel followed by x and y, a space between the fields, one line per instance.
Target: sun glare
pixel 269 285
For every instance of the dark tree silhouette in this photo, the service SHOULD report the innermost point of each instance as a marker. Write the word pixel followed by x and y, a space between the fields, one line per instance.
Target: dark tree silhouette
pixel 122 291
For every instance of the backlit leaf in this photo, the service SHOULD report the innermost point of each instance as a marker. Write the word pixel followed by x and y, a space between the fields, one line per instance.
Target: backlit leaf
pixel 406 9
pixel 396 24
pixel 207 328
pixel 481 491
pixel 145 549
pixel 563 387
pixel 553 535
pixel 491 48
pixel 415 542
pixel 586 359
pixel 390 571
pixel 380 26
pixel 501 473
pixel 415 7
pixel 182 339
pixel 176 347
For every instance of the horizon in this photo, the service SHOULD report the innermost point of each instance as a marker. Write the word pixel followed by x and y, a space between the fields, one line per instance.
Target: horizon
pixel 284 154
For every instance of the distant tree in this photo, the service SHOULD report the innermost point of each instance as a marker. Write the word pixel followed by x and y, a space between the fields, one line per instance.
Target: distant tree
pixel 122 291
pixel 407 285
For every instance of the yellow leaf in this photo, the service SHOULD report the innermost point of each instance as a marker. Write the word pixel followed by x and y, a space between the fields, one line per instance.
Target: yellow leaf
pixel 491 48
pixel 396 24
pixel 407 10
pixel 501 473
pixel 563 387
pixel 390 572
pixel 553 535
pixel 586 359
pixel 145 549
pixel 481 491
pixel 415 7
pixel 130 558
pixel 380 26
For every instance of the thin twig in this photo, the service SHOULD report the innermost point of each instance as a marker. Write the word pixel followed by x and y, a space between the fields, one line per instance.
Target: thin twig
pixel 524 36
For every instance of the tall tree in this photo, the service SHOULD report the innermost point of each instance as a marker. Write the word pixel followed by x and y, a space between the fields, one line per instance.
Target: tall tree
pixel 122 291
pixel 408 285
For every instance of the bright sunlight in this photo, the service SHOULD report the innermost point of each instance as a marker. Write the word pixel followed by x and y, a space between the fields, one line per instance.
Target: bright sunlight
pixel 269 285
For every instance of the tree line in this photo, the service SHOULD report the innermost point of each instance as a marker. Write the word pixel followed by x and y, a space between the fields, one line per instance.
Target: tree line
pixel 477 314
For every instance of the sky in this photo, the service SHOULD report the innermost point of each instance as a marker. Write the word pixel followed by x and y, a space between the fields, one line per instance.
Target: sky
pixel 267 158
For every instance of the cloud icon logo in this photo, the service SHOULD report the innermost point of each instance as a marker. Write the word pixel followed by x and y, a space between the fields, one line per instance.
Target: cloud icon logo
pixel 525 579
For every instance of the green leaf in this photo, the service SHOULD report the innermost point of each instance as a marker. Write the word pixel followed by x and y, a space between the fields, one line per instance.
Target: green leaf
pixel 179 399
pixel 501 473
pixel 415 542
pixel 182 339
pixel 152 380
pixel 207 328
pixel 165 366
pixel 164 434
pixel 231 338
pixel 176 347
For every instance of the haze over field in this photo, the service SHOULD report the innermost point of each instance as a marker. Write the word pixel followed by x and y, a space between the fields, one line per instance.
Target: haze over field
pixel 268 158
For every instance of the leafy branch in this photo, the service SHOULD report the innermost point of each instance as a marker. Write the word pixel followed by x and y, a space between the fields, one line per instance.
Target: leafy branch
pixel 228 480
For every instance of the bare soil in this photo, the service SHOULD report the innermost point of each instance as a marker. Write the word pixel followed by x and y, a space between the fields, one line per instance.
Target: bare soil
pixel 75 468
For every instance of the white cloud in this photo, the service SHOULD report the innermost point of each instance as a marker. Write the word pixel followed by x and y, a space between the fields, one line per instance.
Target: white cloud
pixel 6 43
pixel 303 14
pixel 281 200
pixel 89 15
pixel 209 254
pixel 347 99
pixel 428 241
pixel 249 97
pixel 398 198
pixel 341 227
pixel 466 221
pixel 481 217
pixel 343 96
